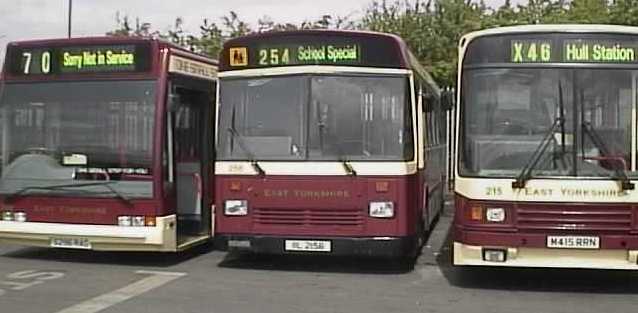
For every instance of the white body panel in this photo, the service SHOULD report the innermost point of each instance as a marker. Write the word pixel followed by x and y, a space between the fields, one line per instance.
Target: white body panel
pixel 553 258
pixel 545 190
pixel 316 168
pixel 162 237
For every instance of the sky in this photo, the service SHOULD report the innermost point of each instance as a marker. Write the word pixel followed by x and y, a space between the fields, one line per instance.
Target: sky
pixel 38 19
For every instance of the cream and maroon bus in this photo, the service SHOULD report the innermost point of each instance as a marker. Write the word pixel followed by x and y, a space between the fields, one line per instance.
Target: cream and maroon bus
pixel 106 144
pixel 329 142
pixel 546 153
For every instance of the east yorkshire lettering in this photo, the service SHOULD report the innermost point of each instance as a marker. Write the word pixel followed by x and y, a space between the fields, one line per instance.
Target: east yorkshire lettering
pixel 280 193
pixel 572 192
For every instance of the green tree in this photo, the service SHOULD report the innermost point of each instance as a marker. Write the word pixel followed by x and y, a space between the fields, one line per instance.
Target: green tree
pixel 624 12
pixel 211 39
pixel 125 29
pixel 235 26
pixel 588 11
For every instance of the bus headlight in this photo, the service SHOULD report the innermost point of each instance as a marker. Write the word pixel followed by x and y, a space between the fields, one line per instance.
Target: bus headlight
pixel 137 221
pixel 7 216
pixel 124 221
pixel 381 209
pixel 20 217
pixel 495 215
pixel 236 207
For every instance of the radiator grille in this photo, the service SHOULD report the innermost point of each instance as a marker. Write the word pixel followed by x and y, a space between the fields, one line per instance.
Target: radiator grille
pixel 576 218
pixel 308 217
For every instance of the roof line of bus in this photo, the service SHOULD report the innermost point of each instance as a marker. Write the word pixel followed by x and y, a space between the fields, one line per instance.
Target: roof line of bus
pixel 556 28
pixel 315 31
pixel 401 44
pixel 110 39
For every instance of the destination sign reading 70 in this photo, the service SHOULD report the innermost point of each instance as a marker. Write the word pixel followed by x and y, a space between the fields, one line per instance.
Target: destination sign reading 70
pixel 29 61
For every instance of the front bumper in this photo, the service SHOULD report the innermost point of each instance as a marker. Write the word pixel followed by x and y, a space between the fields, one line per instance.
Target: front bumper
pixel 381 247
pixel 161 238
pixel 620 259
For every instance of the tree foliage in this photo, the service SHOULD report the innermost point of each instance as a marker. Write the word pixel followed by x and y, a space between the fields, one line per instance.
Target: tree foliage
pixel 432 28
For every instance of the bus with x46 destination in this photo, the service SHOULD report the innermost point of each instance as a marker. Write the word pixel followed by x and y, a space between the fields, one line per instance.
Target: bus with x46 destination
pixel 546 153
pixel 329 142
pixel 106 144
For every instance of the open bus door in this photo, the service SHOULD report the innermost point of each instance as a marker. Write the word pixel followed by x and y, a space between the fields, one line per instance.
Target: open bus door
pixel 191 132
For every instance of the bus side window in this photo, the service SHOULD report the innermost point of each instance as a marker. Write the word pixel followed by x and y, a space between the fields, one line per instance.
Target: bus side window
pixel 428 120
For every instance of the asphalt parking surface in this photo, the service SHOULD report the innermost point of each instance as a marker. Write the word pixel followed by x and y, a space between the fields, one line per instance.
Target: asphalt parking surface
pixel 36 280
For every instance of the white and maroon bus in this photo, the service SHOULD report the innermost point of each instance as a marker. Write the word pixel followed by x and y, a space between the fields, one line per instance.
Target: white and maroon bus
pixel 329 142
pixel 106 144
pixel 546 147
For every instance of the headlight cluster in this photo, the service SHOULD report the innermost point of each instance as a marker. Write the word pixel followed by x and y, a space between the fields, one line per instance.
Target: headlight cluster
pixel 136 221
pixel 9 216
pixel 488 214
pixel 495 215
pixel 382 209
pixel 236 207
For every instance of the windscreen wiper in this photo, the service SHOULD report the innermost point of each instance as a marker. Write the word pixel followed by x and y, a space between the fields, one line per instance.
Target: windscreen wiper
pixel 321 128
pixel 118 195
pixel 320 125
pixel 240 141
pixel 347 166
pixel 526 173
pixel 561 114
pixel 620 174
pixel 22 192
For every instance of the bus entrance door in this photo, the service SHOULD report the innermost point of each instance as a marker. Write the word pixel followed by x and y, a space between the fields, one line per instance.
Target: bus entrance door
pixel 190 140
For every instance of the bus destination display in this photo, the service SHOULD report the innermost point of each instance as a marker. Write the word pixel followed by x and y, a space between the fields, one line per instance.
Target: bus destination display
pixel 321 48
pixel 309 54
pixel 573 51
pixel 282 55
pixel 78 59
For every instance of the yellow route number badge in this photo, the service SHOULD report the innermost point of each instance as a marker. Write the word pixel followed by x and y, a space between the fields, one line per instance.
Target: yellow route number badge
pixel 238 56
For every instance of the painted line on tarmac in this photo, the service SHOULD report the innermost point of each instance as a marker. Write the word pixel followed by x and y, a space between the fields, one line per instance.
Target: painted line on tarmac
pixel 102 302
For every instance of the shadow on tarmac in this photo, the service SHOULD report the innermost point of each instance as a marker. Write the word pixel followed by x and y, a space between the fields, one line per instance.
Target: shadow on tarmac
pixel 314 263
pixel 148 259
pixel 536 279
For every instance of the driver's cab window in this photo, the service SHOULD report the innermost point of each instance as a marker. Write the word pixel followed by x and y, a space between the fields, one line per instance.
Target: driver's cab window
pixel 606 98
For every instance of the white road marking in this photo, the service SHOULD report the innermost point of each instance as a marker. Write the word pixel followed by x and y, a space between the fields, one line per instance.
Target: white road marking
pixel 133 290
pixel 19 281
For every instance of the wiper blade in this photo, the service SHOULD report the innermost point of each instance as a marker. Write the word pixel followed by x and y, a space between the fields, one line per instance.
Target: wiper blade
pixel 348 167
pixel 526 173
pixel 13 196
pixel 118 195
pixel 22 192
pixel 251 155
pixel 321 125
pixel 620 173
